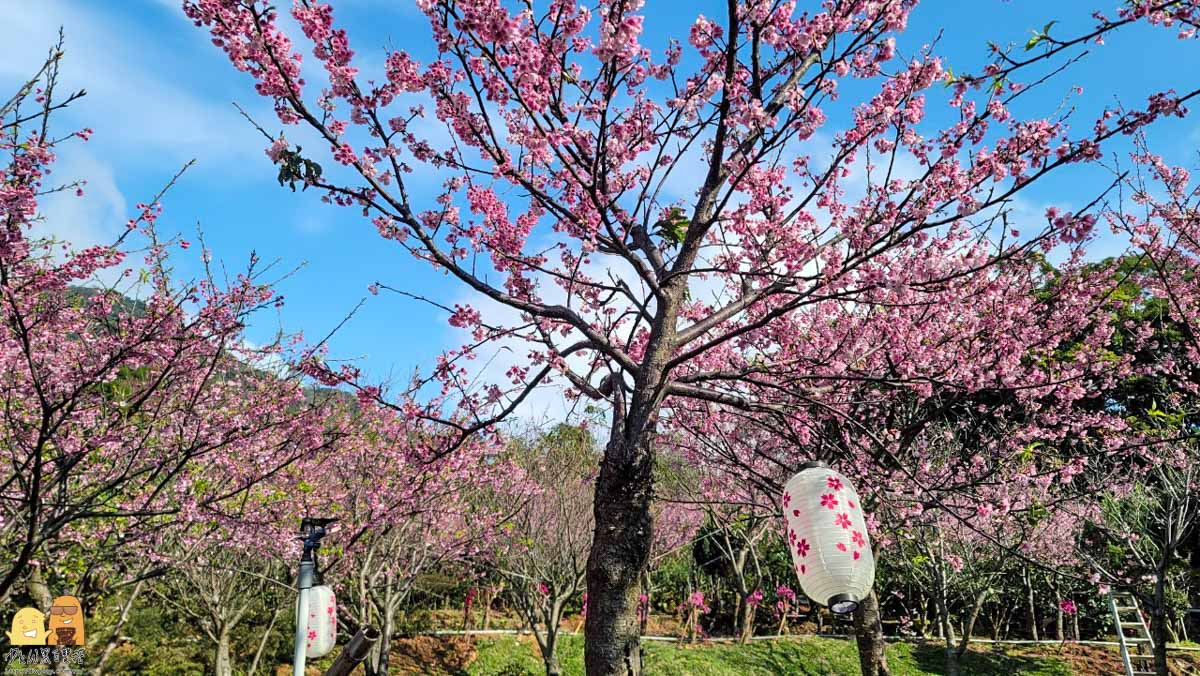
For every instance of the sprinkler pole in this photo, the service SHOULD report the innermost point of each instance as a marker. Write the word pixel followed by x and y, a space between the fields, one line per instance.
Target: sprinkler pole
pixel 312 529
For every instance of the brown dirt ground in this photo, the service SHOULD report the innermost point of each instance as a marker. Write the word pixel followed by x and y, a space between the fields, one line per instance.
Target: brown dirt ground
pixel 1089 659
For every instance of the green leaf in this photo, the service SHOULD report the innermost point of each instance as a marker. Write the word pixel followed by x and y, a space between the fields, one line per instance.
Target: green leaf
pixel 1039 36
pixel 674 227
pixel 1027 452
pixel 294 167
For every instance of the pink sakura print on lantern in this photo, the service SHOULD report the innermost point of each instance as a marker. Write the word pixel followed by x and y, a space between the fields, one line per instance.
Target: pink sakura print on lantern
pixel 831 552
pixel 322 622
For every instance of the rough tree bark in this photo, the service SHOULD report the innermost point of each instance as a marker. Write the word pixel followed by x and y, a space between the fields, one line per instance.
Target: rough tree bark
pixel 620 550
pixel 489 598
pixel 549 654
pixel 624 490
pixel 746 621
pixel 868 633
pixel 35 586
pixel 646 591
pixel 377 660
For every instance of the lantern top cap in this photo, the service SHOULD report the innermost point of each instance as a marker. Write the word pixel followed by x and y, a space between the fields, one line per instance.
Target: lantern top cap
pixel 811 464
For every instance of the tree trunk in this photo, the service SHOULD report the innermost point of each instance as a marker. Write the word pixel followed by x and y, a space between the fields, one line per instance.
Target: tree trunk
pixel 549 652
pixel 487 606
pixel 868 633
pixel 941 601
pixel 114 638
pixel 223 664
pixel 36 586
pixel 980 598
pixel 923 617
pixel 747 622
pixel 1030 613
pixel 377 660
pixel 544 623
pixel 620 551
pixel 693 624
pixel 1058 617
pixel 951 652
pixel 1158 626
pixel 645 610
pixel 262 644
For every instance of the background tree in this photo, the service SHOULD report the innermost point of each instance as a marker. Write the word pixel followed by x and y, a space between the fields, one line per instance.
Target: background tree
pixel 110 406
pixel 405 510
pixel 542 550
pixel 226 592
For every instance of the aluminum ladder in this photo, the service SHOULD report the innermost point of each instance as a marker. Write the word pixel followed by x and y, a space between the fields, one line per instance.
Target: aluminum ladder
pixel 1128 617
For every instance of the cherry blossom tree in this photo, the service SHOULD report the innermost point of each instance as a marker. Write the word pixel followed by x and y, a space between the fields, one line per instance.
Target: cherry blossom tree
pixel 1139 541
pixel 222 589
pixel 739 514
pixel 568 140
pixel 541 551
pixel 125 404
pixel 961 569
pixel 404 508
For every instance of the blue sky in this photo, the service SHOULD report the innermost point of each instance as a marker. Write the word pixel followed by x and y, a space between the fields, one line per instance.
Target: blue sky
pixel 160 95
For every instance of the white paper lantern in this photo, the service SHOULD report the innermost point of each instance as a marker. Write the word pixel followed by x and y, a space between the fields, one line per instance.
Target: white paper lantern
pixel 827 536
pixel 322 622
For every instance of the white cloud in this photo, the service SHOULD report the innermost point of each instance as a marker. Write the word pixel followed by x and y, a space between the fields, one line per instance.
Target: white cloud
pixel 95 218
pixel 311 225
pixel 139 97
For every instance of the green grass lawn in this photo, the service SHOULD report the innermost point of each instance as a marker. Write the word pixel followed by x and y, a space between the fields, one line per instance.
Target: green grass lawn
pixel 803 656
